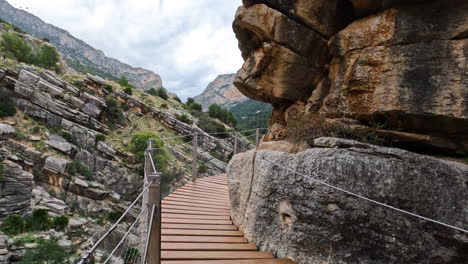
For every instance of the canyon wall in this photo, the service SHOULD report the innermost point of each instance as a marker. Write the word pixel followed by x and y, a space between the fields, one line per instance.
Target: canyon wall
pixel 395 68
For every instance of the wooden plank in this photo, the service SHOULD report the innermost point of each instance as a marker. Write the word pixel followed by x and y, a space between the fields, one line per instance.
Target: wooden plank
pixel 200 196
pixel 195 205
pixel 203 239
pixel 215 185
pixel 200 227
pixel 195 208
pixel 194 212
pixel 189 216
pixel 250 261
pixel 206 190
pixel 195 221
pixel 189 255
pixel 207 246
pixel 194 232
pixel 217 181
pixel 196 201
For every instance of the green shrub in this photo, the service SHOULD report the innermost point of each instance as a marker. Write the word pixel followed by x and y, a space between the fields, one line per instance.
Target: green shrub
pixel 67 136
pixel 35 130
pixel 202 168
pixel 47 251
pixel 123 82
pixel 128 90
pixel 184 118
pixel 209 125
pixel 40 220
pixel 164 106
pixel 177 99
pixel 196 106
pixel 13 225
pixel 131 256
pixel 109 87
pixel 100 137
pixel 113 216
pixel 139 143
pixel 78 167
pixel 152 92
pixel 190 101
pixel 163 93
pixel 59 223
pixel 16 47
pixel 114 112
pixel 216 111
pixel 47 57
pixel 7 107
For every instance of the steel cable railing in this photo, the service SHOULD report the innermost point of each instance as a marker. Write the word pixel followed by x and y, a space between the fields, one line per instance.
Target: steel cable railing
pixel 167 166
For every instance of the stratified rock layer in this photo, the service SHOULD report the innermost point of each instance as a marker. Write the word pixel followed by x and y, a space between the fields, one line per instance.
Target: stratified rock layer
pixel 288 212
pixel 400 64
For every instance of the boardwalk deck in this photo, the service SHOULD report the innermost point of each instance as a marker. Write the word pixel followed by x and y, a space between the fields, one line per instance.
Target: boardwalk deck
pixel 197 228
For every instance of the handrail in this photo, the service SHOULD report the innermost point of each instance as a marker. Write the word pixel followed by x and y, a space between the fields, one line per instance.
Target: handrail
pixel 96 245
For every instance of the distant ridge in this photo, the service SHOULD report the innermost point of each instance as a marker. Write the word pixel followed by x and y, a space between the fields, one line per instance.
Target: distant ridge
pixel 79 55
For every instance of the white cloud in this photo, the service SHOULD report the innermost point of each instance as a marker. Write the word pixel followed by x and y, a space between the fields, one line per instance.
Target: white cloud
pixel 187 42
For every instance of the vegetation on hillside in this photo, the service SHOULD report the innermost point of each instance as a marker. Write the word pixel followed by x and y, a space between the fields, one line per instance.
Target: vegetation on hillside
pixel 7 107
pixel 38 221
pixel 216 111
pixel 13 27
pixel 80 67
pixel 161 92
pixel 14 47
pixel 252 114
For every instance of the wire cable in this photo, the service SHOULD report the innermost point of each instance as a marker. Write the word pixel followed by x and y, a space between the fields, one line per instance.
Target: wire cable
pixel 370 200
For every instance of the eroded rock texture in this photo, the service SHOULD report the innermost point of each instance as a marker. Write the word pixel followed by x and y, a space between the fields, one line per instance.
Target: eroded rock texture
pixel 401 64
pixel 289 213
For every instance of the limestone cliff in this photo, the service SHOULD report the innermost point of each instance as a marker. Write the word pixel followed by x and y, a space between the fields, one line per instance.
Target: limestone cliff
pixel 395 68
pixel 221 91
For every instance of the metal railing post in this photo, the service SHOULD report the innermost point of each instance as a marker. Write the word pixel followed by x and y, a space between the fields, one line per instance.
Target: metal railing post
pixel 153 250
pixel 195 158
pixel 257 138
pixel 152 200
pixel 235 143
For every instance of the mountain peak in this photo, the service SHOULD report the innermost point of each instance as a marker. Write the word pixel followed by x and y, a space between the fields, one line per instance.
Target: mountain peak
pixel 79 55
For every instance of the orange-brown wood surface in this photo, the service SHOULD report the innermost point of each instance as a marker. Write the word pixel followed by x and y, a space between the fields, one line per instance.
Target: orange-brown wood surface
pixel 197 228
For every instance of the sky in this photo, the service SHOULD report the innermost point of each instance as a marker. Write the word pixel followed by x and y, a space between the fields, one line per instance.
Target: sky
pixel 187 42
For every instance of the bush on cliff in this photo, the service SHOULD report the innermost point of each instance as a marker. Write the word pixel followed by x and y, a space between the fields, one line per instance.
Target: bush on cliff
pixel 78 167
pixel 114 112
pixel 13 225
pixel 139 143
pixel 14 46
pixel 311 126
pixel 7 107
pixel 184 118
pixel 59 223
pixel 216 111
pixel 1 171
pixel 47 251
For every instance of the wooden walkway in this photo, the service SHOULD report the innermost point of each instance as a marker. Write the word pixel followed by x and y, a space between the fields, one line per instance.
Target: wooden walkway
pixel 197 228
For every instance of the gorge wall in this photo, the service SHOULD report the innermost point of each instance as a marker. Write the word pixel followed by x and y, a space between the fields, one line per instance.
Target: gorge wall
pixel 395 68
pixel 279 205
pixel 388 69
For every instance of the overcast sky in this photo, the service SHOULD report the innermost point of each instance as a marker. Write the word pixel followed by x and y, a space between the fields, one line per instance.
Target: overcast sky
pixel 187 42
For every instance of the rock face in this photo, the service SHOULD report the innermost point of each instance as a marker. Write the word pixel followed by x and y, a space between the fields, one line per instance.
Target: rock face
pixel 76 50
pixel 291 214
pixel 397 63
pixel 221 91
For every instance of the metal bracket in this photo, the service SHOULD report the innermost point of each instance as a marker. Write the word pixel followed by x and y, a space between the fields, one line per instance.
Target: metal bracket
pixel 155 177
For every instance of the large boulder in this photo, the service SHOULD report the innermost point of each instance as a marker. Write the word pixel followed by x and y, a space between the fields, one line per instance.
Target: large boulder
pixel 284 60
pixel 427 94
pixel 279 202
